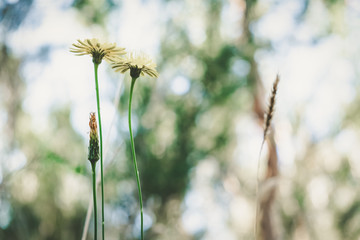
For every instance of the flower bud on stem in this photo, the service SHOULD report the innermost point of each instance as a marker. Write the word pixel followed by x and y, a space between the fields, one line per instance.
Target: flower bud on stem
pixel 93 157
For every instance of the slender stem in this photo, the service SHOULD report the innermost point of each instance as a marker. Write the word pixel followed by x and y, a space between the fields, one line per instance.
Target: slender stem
pixel 101 151
pixel 134 159
pixel 257 191
pixel 93 165
pixel 90 205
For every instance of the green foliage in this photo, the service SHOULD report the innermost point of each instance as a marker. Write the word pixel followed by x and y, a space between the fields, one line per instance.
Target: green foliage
pixel 94 11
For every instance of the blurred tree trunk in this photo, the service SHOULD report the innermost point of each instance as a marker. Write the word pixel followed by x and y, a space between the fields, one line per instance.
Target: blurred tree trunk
pixel 13 87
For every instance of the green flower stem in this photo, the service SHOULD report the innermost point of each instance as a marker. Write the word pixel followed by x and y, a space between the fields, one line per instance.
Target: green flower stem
pixel 93 165
pixel 101 151
pixel 134 159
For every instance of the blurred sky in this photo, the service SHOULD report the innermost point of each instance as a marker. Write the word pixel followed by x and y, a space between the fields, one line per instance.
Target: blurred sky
pixel 310 71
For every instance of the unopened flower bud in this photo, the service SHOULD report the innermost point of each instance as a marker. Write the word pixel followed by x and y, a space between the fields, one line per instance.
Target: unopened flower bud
pixel 93 155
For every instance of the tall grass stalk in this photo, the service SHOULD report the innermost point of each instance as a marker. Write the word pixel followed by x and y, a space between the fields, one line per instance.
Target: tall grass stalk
pixel 268 119
pixel 257 190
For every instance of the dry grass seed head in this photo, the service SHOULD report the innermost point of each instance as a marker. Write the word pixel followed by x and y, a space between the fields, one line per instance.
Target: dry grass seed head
pixel 271 108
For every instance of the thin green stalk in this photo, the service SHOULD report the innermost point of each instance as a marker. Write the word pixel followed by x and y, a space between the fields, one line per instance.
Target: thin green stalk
pixel 101 151
pixel 134 159
pixel 94 196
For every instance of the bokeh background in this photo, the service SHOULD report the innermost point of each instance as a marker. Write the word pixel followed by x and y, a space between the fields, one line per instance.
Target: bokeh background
pixel 198 127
